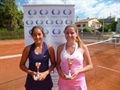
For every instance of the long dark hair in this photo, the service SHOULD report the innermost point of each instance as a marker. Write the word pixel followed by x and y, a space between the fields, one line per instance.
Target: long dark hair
pixel 32 30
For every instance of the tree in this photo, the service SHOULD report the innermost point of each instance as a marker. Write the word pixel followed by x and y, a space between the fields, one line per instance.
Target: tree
pixel 108 27
pixel 87 30
pixel 11 18
pixel 113 25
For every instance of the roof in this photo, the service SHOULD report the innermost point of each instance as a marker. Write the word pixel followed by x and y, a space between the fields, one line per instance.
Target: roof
pixel 85 20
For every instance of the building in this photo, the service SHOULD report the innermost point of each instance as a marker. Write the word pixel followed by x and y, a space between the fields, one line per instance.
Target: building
pixel 90 23
pixel 118 25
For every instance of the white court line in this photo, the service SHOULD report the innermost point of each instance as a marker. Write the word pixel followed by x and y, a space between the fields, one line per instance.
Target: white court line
pixel 108 69
pixel 99 42
pixel 19 55
pixel 10 56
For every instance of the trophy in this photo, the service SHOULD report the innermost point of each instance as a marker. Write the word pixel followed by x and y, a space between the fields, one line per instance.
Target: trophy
pixel 69 67
pixel 37 64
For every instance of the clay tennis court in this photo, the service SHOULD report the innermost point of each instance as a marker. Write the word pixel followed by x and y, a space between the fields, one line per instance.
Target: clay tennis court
pixel 104 76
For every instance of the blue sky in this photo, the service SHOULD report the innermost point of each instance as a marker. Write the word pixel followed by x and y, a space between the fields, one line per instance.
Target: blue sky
pixel 83 8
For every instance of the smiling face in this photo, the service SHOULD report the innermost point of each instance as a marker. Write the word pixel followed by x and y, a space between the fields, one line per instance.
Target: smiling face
pixel 37 35
pixel 70 34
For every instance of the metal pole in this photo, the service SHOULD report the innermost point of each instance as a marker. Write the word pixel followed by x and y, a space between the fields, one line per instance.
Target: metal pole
pixel 103 29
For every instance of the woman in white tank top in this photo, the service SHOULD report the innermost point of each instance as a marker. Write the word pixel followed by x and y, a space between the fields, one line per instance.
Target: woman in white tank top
pixel 70 57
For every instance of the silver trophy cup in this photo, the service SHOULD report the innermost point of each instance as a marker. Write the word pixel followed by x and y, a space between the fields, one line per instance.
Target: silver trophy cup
pixel 69 75
pixel 37 64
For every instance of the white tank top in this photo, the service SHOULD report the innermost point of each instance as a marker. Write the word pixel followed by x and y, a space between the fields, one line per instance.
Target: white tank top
pixel 76 56
pixel 77 63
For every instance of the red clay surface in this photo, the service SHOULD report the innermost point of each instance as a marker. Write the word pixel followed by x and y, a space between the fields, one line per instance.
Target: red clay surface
pixel 104 76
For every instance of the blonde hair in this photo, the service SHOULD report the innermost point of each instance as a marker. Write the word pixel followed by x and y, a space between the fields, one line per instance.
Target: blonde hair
pixel 78 40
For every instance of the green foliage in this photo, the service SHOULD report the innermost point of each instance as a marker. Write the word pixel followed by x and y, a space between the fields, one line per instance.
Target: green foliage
pixel 87 30
pixel 10 18
pixel 17 34
pixel 111 27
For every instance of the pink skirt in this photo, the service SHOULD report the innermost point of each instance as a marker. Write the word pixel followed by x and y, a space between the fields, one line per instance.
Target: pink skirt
pixel 72 87
pixel 65 85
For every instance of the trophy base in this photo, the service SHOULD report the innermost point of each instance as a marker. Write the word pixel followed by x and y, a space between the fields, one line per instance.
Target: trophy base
pixel 68 76
pixel 37 76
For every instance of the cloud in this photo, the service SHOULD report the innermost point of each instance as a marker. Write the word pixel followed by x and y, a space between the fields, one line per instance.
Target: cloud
pixel 97 8
pixel 83 8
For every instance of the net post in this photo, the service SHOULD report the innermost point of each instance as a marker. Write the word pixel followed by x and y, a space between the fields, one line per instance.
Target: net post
pixel 115 43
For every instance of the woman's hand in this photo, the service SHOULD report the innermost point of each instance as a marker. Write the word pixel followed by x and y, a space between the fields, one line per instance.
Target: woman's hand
pixel 43 75
pixel 62 75
pixel 75 74
pixel 33 74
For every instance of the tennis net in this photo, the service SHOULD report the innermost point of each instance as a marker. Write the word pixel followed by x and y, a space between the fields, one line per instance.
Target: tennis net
pixel 101 46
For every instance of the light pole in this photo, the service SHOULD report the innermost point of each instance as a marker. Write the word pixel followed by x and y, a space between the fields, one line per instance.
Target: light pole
pixel 103 28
